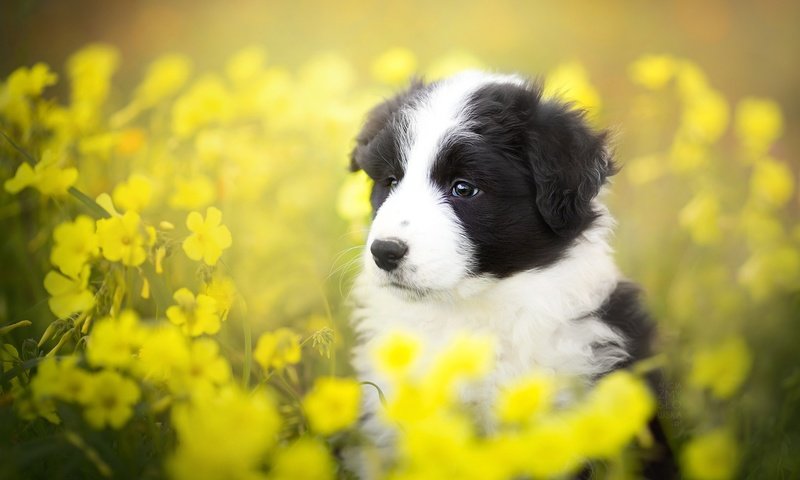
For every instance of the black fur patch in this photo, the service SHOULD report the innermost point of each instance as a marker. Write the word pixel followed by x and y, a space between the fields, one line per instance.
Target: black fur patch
pixel 377 149
pixel 538 165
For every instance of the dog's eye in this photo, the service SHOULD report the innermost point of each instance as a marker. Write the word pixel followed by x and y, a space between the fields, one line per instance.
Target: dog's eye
pixel 391 182
pixel 464 189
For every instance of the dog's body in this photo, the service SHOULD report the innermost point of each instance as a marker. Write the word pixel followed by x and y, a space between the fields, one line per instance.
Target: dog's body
pixel 487 221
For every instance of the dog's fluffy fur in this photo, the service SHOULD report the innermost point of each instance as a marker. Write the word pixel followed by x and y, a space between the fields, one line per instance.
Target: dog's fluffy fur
pixel 524 258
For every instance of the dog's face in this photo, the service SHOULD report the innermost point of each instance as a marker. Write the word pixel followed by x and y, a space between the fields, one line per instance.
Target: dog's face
pixel 476 177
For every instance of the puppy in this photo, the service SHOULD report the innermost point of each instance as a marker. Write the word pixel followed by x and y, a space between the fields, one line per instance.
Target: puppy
pixel 486 220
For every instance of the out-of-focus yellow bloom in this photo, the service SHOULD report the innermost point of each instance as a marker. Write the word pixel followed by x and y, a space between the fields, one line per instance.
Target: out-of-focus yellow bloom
pixel 164 77
pixel 439 447
pixel 759 122
pixel 705 117
pixel 164 352
pixel 61 379
pixel 250 418
pixel 645 169
pixel 46 176
pixel 525 399
pixel 692 81
pixel 687 155
pixel 246 64
pixel 552 446
pixel 134 194
pixel 75 244
pixel 207 102
pixel 618 408
pixel 114 341
pixel 394 66
pixel 205 369
pixel 466 357
pixel 722 368
pixel 277 349
pixel 701 218
pixel 191 193
pixel 195 315
pixel 327 74
pixel 570 82
pixel 653 71
pixel 121 239
pixel 397 353
pixel 332 404
pixel 353 201
pixel 223 290
pixel 209 237
pixel 772 182
pixel 304 459
pixel 28 82
pixel 771 270
pixel 110 400
pixel 90 70
pixel 69 295
pixel 711 456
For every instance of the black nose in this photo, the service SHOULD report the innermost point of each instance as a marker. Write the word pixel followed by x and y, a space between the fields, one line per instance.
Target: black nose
pixel 388 253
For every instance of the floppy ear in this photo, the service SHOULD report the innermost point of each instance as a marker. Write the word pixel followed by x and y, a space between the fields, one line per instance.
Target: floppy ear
pixel 378 118
pixel 570 163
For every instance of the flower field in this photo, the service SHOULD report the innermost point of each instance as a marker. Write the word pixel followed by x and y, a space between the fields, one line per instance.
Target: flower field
pixel 177 251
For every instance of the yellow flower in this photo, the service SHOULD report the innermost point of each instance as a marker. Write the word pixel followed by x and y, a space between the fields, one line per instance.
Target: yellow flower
pixel 90 70
pixel 353 201
pixel 438 446
pixel 722 368
pixel 397 353
pixel 305 459
pixel 135 194
pixel 206 426
pixel 618 408
pixel 570 82
pixel 466 357
pixel 551 449
pixel 206 102
pixel 701 218
pixel 223 290
pixel 771 270
pixel 45 176
pixel 61 379
pixel 75 244
pixel 332 405
pixel 121 239
pixel 525 398
pixel 394 66
pixel 705 117
pixel 772 182
pixel 711 456
pixel 195 315
pixel 190 193
pixel 246 64
pixel 277 349
pixel 114 341
pixel 209 237
pixel 110 400
pixel 30 82
pixel 164 352
pixel 653 71
pixel 164 77
pixel 205 369
pixel 759 122
pixel 69 295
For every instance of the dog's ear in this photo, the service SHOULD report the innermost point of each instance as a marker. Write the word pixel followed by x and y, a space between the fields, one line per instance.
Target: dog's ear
pixel 570 162
pixel 378 118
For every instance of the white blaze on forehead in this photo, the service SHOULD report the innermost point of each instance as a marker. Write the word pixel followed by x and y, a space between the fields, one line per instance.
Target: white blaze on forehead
pixel 442 112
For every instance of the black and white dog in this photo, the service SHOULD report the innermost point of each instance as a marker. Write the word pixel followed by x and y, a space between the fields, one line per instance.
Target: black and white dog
pixel 487 220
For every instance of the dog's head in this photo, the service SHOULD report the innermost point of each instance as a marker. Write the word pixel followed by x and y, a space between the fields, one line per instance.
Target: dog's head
pixel 476 176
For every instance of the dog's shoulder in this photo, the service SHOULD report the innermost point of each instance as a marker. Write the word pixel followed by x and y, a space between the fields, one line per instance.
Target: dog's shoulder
pixel 625 313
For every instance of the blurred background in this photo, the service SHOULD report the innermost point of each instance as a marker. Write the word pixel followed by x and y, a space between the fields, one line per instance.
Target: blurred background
pixel 702 99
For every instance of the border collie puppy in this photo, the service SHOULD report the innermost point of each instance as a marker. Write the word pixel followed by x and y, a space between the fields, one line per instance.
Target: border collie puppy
pixel 486 220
